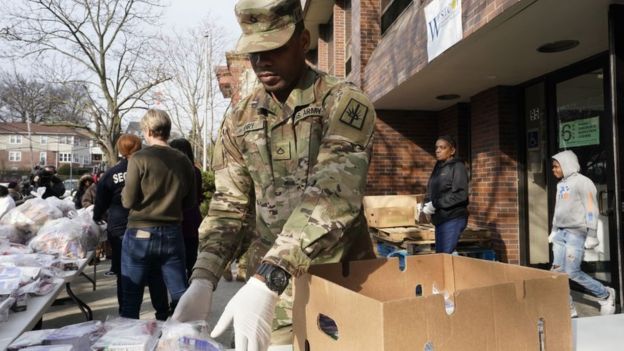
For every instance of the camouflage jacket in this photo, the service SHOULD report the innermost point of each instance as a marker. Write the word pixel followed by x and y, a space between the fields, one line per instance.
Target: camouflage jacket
pixel 306 162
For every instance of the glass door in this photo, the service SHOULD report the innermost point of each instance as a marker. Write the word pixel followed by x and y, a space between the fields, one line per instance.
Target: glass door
pixel 583 126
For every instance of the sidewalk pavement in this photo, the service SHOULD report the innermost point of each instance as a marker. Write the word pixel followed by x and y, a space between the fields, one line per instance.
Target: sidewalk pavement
pixel 103 302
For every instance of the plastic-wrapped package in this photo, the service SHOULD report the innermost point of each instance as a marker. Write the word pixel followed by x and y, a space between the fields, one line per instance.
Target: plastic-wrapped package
pixel 51 348
pixel 128 335
pixel 65 206
pixel 8 248
pixel 190 336
pixel 63 236
pixel 5 306
pixel 8 286
pixel 11 233
pixel 30 338
pixel 93 234
pixel 31 215
pixel 81 336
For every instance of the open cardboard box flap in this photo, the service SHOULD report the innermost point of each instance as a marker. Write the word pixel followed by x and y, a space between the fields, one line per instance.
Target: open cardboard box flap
pixel 375 306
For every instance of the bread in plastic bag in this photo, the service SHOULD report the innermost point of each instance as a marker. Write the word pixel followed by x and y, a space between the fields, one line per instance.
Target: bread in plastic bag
pixel 65 205
pixel 10 233
pixel 128 335
pixel 81 336
pixel 30 338
pixel 64 236
pixel 188 336
pixel 31 215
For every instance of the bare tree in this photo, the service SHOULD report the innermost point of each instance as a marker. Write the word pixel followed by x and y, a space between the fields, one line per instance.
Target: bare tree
pixel 106 44
pixel 192 95
pixel 40 101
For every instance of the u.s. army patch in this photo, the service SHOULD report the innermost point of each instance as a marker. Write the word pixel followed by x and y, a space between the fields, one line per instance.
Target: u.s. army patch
pixel 354 114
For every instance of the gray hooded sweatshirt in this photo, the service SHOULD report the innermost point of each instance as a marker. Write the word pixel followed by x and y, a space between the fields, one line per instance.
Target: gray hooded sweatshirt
pixel 576 208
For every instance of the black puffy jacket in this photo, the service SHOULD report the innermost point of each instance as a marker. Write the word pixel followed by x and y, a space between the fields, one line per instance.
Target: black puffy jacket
pixel 448 190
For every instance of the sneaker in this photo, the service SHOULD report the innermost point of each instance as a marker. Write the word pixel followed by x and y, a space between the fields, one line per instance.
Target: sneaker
pixel 573 313
pixel 607 305
pixel 110 273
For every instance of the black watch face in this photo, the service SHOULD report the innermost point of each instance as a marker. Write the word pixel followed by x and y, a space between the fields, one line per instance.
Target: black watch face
pixel 279 279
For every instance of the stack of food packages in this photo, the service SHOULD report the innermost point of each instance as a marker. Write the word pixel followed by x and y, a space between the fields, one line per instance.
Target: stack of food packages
pixel 117 334
pixel 41 240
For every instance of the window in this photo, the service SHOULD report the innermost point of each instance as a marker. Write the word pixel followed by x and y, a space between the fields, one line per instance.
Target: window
pixel 391 10
pixel 328 36
pixel 65 157
pixel 43 139
pixel 43 157
pixel 76 159
pixel 15 156
pixel 15 139
pixel 62 140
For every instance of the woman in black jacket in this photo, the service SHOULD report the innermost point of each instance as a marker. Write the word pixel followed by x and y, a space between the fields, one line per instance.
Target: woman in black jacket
pixel 447 196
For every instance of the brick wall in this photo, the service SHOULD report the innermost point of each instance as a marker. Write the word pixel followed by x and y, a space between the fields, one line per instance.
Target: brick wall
pixel 403 152
pixel 494 178
pixel 323 51
pixel 339 39
pixel 455 121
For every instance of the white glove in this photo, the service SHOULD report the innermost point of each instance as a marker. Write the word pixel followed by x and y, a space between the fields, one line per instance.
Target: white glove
pixel 194 305
pixel 591 242
pixel 428 208
pixel 251 310
pixel 551 237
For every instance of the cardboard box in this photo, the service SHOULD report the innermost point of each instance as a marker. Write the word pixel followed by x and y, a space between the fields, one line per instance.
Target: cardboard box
pixel 392 210
pixel 387 217
pixel 375 306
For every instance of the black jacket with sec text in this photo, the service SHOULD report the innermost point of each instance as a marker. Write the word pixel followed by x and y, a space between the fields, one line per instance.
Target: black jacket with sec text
pixel 109 197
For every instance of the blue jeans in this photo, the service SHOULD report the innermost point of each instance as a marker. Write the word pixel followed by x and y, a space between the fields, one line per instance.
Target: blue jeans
pixel 148 253
pixel 447 234
pixel 568 250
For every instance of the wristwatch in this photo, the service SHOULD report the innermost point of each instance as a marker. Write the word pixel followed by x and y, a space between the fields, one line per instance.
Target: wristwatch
pixel 276 278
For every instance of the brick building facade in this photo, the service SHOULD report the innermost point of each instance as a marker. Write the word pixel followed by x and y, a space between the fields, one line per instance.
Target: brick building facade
pixel 522 74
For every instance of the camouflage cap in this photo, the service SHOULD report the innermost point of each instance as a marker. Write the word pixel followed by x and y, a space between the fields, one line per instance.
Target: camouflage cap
pixel 266 24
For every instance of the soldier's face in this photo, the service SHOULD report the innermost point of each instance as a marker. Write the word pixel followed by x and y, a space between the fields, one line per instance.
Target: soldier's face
pixel 279 70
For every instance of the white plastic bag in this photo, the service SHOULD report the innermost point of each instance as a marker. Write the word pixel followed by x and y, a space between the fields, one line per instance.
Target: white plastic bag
pixel 31 215
pixel 187 336
pixel 63 236
pixel 128 335
pixel 63 205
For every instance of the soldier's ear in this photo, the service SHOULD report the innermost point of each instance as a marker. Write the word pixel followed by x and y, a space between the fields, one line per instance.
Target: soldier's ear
pixel 305 40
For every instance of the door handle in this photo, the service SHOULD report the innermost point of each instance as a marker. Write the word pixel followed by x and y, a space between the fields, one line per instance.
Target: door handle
pixel 603 203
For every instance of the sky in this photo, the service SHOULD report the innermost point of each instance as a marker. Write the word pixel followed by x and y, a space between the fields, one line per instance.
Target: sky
pixel 182 14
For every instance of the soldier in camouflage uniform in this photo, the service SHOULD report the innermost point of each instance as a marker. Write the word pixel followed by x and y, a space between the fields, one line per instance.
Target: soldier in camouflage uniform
pixel 300 144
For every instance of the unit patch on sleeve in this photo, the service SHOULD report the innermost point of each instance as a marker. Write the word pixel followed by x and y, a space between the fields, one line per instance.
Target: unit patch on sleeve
pixel 354 114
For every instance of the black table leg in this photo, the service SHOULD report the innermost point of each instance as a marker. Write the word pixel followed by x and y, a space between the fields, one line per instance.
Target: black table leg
pixel 86 310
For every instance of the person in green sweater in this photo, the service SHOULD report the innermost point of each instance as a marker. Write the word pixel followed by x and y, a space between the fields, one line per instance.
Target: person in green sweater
pixel 160 184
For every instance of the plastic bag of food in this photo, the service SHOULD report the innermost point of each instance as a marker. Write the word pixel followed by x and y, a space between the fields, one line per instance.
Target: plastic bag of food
pixel 5 306
pixel 128 335
pixel 63 236
pixel 10 233
pixel 92 235
pixel 81 336
pixel 63 205
pixel 30 338
pixel 31 215
pixel 189 336
pixel 50 348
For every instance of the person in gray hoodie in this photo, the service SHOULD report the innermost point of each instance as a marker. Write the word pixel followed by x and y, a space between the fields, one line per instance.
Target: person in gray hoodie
pixel 574 228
